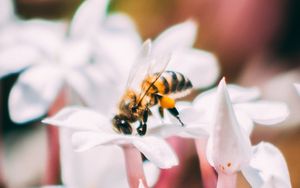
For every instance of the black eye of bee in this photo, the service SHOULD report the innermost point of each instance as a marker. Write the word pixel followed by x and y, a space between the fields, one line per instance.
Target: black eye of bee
pixel 121 124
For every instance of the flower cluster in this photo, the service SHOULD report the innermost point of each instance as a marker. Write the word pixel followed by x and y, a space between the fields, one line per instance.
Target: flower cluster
pixel 89 60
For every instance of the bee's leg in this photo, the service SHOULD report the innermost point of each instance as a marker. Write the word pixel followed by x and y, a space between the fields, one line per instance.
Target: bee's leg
pixel 142 128
pixel 161 112
pixel 175 113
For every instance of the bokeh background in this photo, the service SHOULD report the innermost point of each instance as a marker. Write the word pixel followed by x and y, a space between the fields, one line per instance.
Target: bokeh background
pixel 257 43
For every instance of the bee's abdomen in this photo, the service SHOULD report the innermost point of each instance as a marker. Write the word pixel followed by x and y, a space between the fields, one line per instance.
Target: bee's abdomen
pixel 173 83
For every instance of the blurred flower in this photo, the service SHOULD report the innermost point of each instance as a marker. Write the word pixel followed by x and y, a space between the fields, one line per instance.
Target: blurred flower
pixel 95 129
pixel 55 60
pixel 229 150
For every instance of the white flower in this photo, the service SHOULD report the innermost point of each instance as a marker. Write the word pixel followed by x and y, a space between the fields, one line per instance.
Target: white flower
pixel 247 106
pixel 94 129
pixel 227 119
pixel 23 43
pixel 54 60
pixel 229 150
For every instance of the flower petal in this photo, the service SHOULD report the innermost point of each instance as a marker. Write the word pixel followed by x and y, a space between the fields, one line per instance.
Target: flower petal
pixel 244 121
pixel 240 94
pixel 97 86
pixel 265 112
pixel 237 95
pixel 46 36
pixel 267 168
pixel 180 36
pixel 88 17
pixel 151 173
pixel 85 140
pixel 125 44
pixel 195 130
pixel 120 22
pixel 79 118
pixel 34 92
pixel 91 168
pixel 195 125
pixel 297 86
pixel 75 53
pixel 14 59
pixel 6 11
pixel 205 102
pixel 157 151
pixel 229 147
pixel 199 66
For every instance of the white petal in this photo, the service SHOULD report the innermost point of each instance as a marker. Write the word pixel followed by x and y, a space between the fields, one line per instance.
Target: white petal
pixel 86 140
pixel 199 66
pixel 118 48
pixel 244 121
pixel 240 94
pixel 97 86
pixel 267 168
pixel 187 113
pixel 84 169
pixel 229 147
pixel 141 184
pixel 195 125
pixel 75 53
pixel 297 86
pixel 120 22
pixel 180 36
pixel 205 102
pixel 79 118
pixel 46 36
pixel 151 173
pixel 14 59
pixel 88 17
pixel 34 92
pixel 195 130
pixel 265 112
pixel 157 151
pixel 6 11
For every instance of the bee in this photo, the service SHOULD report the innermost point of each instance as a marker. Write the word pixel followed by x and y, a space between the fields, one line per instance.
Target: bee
pixel 148 85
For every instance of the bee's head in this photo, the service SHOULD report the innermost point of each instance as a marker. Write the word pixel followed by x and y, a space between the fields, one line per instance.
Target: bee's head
pixel 121 124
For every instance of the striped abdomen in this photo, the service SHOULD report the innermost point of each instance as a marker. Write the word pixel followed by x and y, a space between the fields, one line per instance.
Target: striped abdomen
pixel 169 83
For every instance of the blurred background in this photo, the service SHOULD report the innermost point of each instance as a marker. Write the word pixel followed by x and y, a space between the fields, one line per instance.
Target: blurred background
pixel 257 43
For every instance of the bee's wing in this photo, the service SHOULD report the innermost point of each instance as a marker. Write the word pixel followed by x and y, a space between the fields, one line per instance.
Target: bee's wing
pixel 156 68
pixel 140 68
